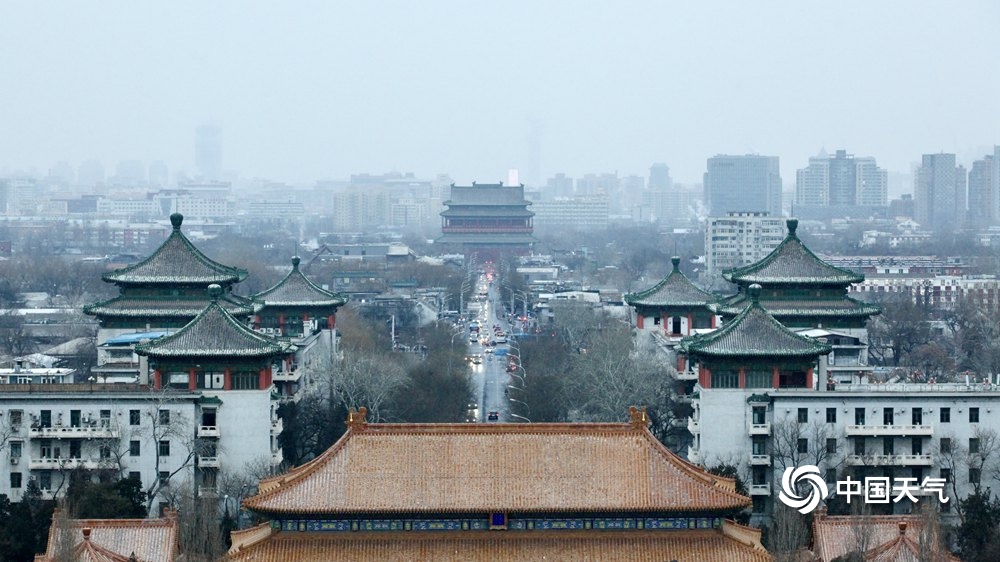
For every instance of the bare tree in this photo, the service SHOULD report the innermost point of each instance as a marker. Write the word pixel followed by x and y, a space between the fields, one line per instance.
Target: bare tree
pixel 795 444
pixel 787 533
pixel 174 430
pixel 362 379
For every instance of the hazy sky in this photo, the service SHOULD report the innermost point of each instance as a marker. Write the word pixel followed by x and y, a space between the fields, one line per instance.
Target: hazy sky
pixel 307 90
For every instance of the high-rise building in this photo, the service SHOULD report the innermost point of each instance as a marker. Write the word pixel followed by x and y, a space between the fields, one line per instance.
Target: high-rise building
pixel 984 190
pixel 842 180
pixel 743 183
pixel 739 239
pixel 208 152
pixel 659 176
pixel 559 185
pixel 939 193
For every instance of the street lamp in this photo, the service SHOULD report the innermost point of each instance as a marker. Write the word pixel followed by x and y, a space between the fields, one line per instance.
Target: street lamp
pixel 513 415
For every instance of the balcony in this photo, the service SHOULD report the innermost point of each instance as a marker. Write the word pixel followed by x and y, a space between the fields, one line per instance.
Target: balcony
pixel 66 432
pixel 687 375
pixel 890 460
pixel 208 462
pixel 760 460
pixel 694 455
pixel 287 376
pixel 209 431
pixel 760 489
pixel 760 429
pixel 694 426
pixel 277 457
pixel 208 491
pixel 277 426
pixel 890 430
pixel 64 463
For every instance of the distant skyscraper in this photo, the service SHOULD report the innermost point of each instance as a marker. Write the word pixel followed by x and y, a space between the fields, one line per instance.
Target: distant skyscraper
pixel 559 185
pixel 158 174
pixel 984 190
pixel 841 181
pixel 659 176
pixel 939 193
pixel 743 183
pixel 130 173
pixel 208 152
pixel 90 174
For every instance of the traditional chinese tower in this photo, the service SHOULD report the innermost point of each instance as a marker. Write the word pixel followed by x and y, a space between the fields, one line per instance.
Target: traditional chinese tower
pixel 487 220
pixel 231 366
pixel 167 289
pixel 800 290
pixel 295 306
pixel 753 350
pixel 674 307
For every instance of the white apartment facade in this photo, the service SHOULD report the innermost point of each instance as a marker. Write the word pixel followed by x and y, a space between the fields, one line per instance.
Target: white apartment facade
pixel 740 238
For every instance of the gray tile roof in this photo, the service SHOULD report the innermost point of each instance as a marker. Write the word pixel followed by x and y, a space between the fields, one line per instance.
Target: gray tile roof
pixel 792 262
pixel 297 290
pixel 126 306
pixel 176 261
pixel 844 307
pixel 487 194
pixel 490 211
pixel 753 333
pixel 489 239
pixel 674 290
pixel 214 333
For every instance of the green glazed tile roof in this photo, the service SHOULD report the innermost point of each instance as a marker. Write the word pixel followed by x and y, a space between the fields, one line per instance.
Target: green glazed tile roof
pixel 491 238
pixel 124 306
pixel 176 261
pixel 792 262
pixel 468 211
pixel 674 290
pixel 753 333
pixel 844 307
pixel 214 333
pixel 297 290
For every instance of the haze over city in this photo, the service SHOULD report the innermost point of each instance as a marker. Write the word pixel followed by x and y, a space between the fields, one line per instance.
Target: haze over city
pixel 322 90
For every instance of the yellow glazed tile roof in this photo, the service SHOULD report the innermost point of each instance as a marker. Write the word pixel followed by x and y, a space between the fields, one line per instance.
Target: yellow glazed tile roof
pixel 114 540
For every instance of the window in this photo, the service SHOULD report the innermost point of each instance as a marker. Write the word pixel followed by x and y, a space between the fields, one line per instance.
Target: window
pixel 105 451
pixel 134 418
pixel 45 418
pixel 74 418
pixel 917 446
pixel 918 416
pixel 164 477
pixel 886 416
pixel 831 446
pixel 164 448
pixel 726 379
pixel 45 480
pixel 945 415
pixel 759 414
pixel 134 476
pixel 759 504
pixel 974 476
pixel 888 446
pixel 973 415
pixel 45 446
pixel 859 416
pixel 15 417
pixel 759 379
pixel 75 448
pixel 973 445
pixel 15 449
pixel 945 445
pixel 803 415
pixel 105 418
pixel 831 415
pixel 165 417
pixel 248 381
pixel 133 448
pixel 946 475
pixel 831 475
pixel 759 445
pixel 802 446
pixel 15 479
pixel 759 476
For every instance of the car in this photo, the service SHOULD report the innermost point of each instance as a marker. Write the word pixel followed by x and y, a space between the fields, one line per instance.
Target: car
pixel 489 350
pixel 473 339
pixel 493 416
pixel 501 340
pixel 477 359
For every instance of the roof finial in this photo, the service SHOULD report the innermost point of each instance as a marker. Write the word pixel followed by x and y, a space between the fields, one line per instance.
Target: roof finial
pixel 356 420
pixel 676 261
pixel 902 527
pixel 754 292
pixel 296 260
pixel 637 417
pixel 214 291
pixel 793 224
pixel 176 219
pixel 86 533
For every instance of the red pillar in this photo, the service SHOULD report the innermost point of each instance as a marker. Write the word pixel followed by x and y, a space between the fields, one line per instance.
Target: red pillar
pixel 332 321
pixel 680 363
pixel 227 379
pixel 192 379
pixel 264 378
pixel 743 378
pixel 639 321
pixel 809 378
pixel 712 324
pixel 690 325
pixel 704 377
pixel 774 378
pixel 157 384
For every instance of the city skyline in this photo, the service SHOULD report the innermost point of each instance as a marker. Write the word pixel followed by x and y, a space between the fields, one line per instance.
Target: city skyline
pixel 323 91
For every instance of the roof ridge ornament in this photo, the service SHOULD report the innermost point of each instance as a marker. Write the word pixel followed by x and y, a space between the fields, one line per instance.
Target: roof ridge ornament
pixel 754 291
pixel 175 220
pixel 676 261
pixel 296 260
pixel 793 225
pixel 356 419
pixel 637 417
pixel 214 292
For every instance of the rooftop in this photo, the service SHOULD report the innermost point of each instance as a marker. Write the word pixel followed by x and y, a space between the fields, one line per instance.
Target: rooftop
pixel 112 540
pixel 792 262
pixel 674 290
pixel 176 261
pixel 297 290
pixel 520 468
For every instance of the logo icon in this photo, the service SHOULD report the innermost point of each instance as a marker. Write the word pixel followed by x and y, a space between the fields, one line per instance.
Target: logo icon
pixel 789 494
